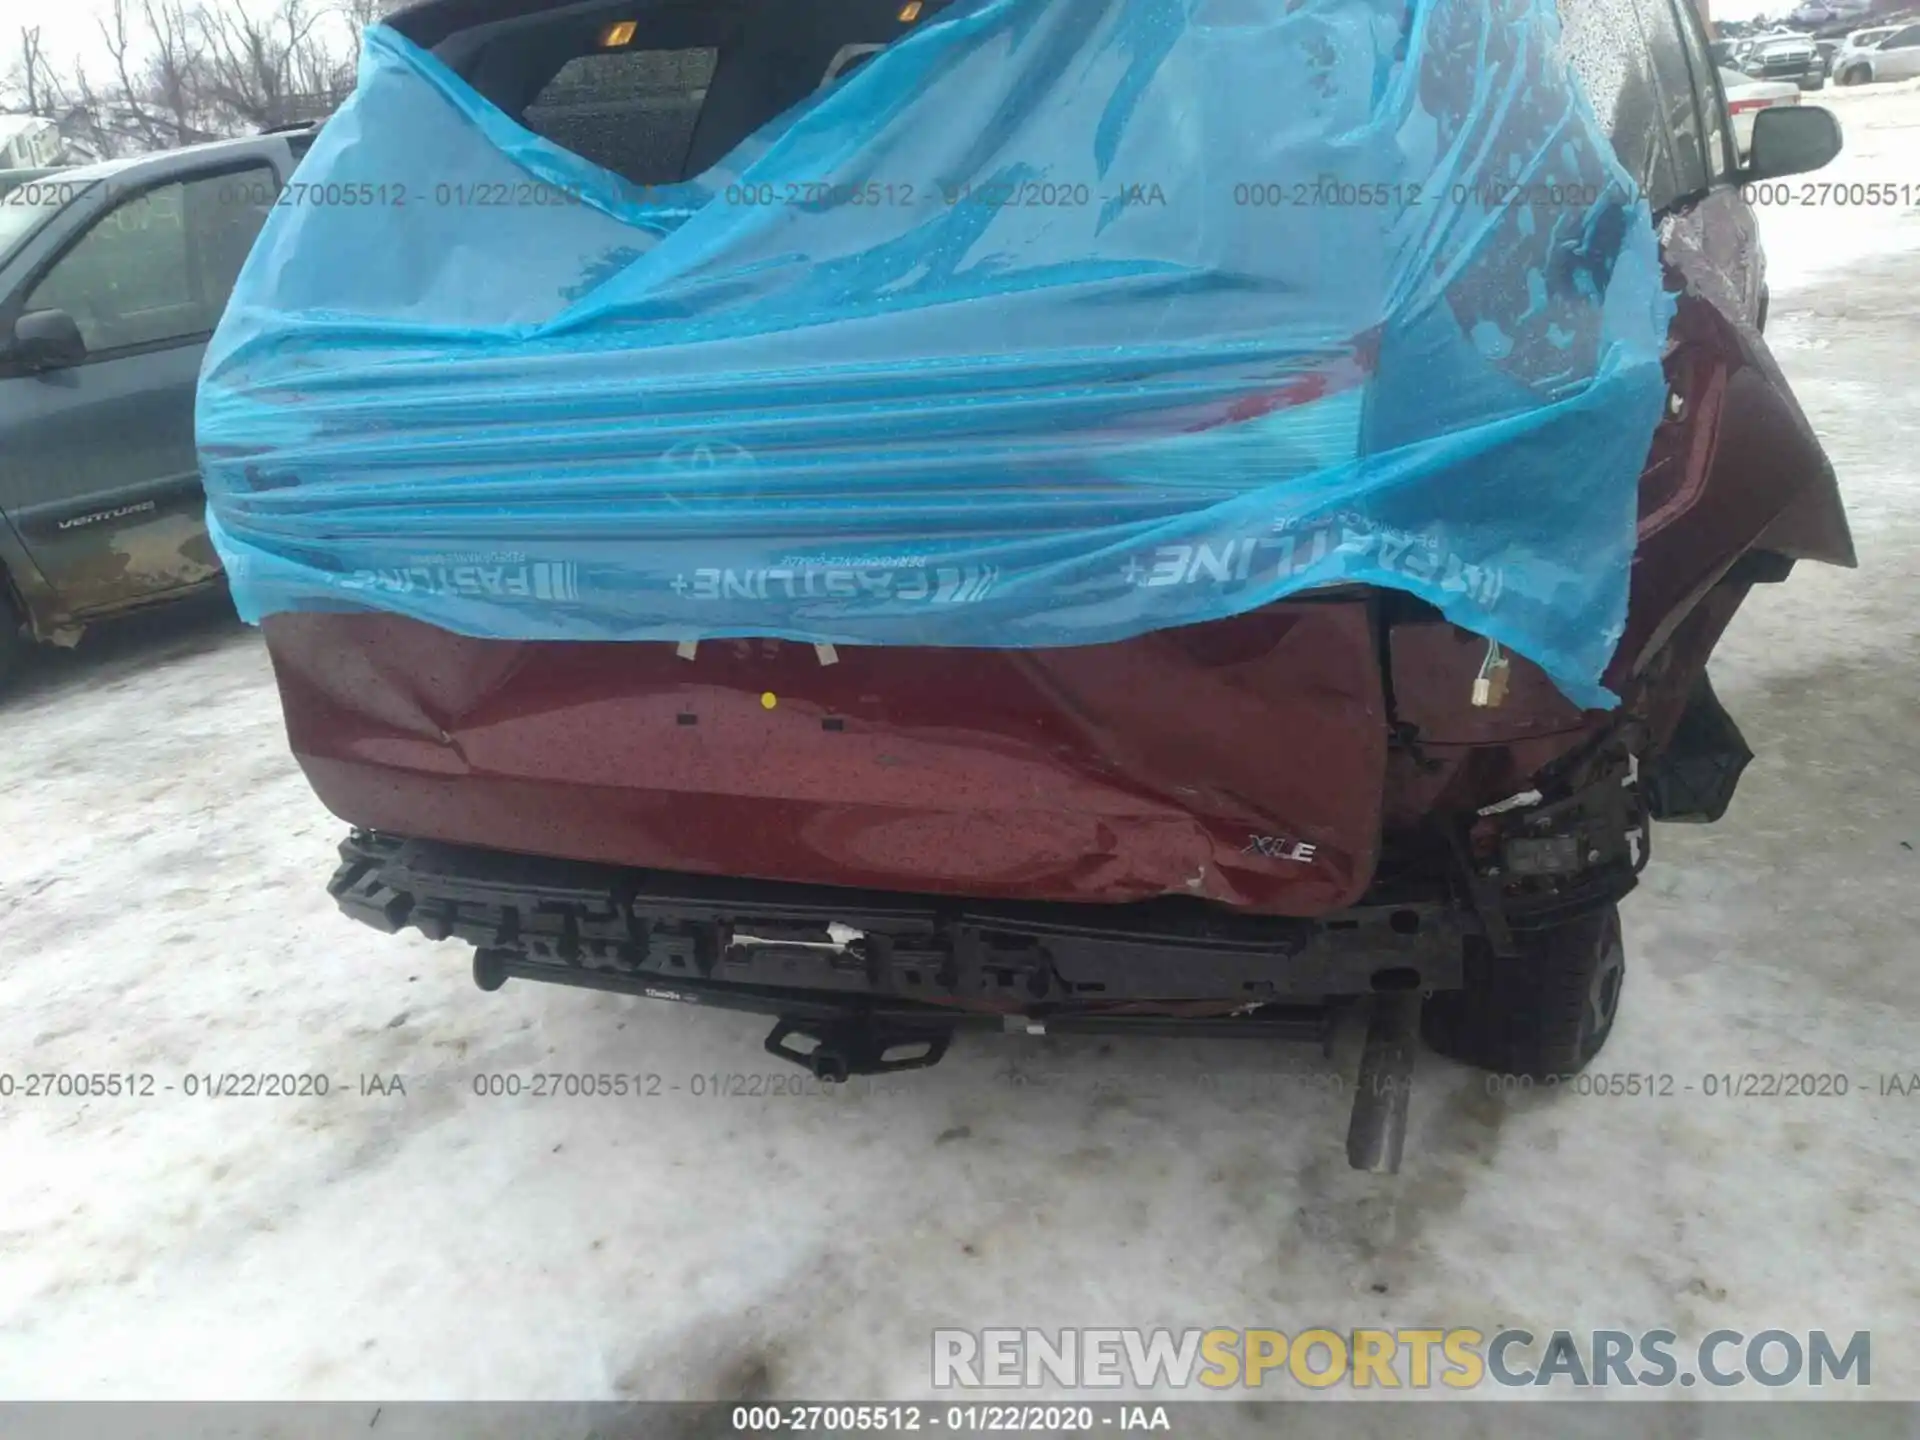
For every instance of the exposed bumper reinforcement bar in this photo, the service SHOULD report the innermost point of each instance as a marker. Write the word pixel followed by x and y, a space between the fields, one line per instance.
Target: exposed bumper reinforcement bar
pixel 863 983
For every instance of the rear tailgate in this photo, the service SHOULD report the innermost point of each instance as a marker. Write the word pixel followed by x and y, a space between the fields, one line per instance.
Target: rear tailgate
pixel 1240 761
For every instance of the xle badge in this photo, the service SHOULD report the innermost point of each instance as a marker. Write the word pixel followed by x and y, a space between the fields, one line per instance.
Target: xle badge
pixel 1279 847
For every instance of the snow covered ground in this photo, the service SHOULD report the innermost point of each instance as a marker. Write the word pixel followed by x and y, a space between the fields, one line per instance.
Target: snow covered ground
pixel 161 911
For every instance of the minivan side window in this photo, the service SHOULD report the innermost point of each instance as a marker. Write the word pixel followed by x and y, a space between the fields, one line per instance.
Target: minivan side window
pixel 158 266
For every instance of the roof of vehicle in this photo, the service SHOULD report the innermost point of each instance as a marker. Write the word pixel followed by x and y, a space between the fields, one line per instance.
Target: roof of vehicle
pixel 77 175
pixel 428 22
pixel 133 166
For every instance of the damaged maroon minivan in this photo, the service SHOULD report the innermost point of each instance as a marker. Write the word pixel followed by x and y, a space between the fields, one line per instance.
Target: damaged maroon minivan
pixel 1339 804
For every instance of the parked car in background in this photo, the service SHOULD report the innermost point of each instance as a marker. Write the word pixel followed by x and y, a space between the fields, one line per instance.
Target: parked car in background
pixel 1746 98
pixel 1894 56
pixel 1848 67
pixel 1828 12
pixel 1787 57
pixel 112 277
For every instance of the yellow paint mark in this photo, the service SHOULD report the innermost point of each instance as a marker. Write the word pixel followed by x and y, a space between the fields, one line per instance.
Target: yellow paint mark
pixel 910 12
pixel 768 700
pixel 617 34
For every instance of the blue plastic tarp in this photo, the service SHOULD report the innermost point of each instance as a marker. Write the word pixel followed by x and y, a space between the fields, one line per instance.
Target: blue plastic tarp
pixel 1058 322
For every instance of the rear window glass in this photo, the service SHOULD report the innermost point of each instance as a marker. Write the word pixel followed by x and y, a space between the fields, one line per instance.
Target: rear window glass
pixel 629 111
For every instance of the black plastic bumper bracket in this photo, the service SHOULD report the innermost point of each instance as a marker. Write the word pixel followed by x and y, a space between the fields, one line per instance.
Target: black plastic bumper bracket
pixel 857 1046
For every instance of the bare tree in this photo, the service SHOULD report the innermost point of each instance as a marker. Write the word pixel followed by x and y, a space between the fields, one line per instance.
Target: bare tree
pixel 180 71
pixel 89 121
pixel 31 77
pixel 173 79
pixel 142 109
pixel 269 69
pixel 362 13
pixel 33 86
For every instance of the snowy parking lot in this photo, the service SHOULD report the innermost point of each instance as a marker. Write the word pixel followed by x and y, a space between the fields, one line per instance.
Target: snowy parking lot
pixel 410 1235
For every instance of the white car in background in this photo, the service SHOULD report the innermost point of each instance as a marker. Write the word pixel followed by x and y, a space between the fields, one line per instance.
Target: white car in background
pixel 1878 54
pixel 1853 49
pixel 1747 97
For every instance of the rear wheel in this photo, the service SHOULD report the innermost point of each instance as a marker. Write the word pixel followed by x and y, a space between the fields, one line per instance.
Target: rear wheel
pixel 1545 1011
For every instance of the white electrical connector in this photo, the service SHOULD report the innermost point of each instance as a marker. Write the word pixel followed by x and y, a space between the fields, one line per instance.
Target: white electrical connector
pixel 1490 685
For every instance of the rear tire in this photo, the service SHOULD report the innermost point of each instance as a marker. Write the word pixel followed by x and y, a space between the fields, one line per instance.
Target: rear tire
pixel 1545 1011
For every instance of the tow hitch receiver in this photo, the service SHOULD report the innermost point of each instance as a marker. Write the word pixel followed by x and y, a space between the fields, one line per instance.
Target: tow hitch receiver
pixel 857 1046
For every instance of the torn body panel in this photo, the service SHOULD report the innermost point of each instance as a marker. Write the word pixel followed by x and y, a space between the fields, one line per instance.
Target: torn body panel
pixel 1735 466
